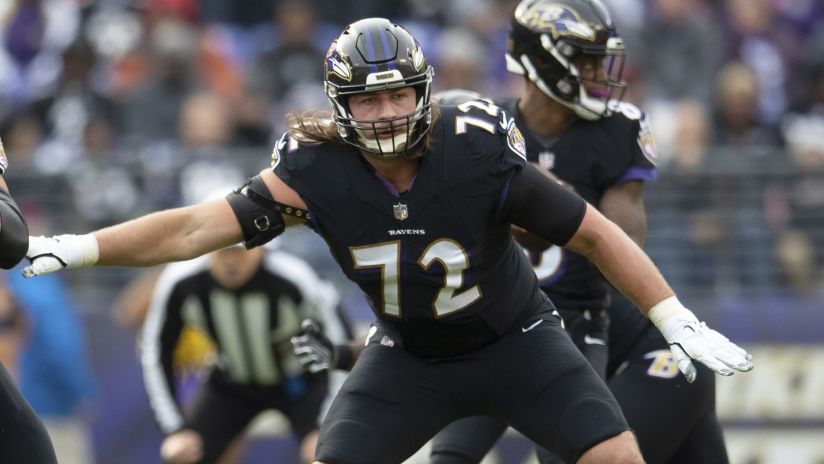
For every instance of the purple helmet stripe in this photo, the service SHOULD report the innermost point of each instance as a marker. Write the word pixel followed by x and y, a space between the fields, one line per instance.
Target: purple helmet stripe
pixel 370 51
pixel 388 50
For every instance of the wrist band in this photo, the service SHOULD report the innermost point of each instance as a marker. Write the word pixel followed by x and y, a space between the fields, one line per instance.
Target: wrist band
pixel 345 357
pixel 90 249
pixel 664 310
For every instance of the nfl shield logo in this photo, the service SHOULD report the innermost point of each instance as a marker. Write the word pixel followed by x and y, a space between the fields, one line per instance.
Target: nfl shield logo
pixel 546 160
pixel 401 211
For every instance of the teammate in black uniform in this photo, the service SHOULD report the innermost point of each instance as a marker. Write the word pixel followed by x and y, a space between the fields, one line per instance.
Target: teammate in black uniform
pixel 675 421
pixel 249 303
pixel 23 438
pixel 416 204
pixel 576 127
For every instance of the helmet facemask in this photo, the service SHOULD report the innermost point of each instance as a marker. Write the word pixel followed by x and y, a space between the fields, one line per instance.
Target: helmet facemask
pixel 385 137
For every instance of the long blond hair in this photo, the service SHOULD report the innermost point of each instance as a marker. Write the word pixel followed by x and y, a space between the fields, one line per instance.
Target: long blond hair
pixel 318 127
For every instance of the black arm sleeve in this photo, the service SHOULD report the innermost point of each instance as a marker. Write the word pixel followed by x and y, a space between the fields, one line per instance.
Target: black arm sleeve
pixel 14 234
pixel 542 206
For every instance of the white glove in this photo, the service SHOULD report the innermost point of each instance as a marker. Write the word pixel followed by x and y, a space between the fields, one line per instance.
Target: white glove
pixel 51 254
pixel 182 447
pixel 313 348
pixel 690 340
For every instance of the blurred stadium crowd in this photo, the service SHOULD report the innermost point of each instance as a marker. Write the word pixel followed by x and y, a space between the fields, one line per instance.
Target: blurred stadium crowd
pixel 112 108
pixel 133 99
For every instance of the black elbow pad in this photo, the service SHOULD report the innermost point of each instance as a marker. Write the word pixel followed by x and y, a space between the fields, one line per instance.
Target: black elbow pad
pixel 257 212
pixel 14 234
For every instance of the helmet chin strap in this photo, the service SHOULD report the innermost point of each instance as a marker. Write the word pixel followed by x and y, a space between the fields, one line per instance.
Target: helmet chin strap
pixel 384 147
pixel 582 108
pixel 391 146
pixel 513 66
pixel 589 108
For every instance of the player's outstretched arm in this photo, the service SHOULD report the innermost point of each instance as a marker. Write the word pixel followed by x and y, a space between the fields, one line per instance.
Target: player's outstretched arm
pixel 581 228
pixel 175 234
pixel 170 235
pixel 627 267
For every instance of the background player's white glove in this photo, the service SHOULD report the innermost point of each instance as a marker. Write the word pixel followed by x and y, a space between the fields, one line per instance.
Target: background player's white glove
pixel 51 254
pixel 690 340
pixel 313 348
pixel 182 447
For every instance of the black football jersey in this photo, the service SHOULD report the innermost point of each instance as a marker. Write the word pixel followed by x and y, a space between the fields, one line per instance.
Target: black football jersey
pixel 437 263
pixel 591 156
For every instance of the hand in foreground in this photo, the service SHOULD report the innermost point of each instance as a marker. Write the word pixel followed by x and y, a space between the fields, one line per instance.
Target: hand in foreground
pixel 691 340
pixel 51 254
pixel 182 447
pixel 313 348
pixel 4 162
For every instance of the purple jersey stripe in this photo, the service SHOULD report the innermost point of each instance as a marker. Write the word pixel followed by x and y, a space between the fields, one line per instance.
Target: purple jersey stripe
pixel 504 195
pixel 638 173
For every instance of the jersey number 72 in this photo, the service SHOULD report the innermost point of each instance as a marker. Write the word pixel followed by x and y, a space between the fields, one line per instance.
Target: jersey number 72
pixel 453 258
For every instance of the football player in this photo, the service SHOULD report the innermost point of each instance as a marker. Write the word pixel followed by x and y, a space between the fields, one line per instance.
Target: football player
pixel 577 128
pixel 416 203
pixel 248 303
pixel 23 438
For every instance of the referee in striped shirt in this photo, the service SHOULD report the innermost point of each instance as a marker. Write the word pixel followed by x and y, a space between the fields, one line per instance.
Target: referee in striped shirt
pixel 249 303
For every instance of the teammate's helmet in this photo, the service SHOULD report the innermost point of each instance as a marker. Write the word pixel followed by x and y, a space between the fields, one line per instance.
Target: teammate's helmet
pixel 550 39
pixel 370 55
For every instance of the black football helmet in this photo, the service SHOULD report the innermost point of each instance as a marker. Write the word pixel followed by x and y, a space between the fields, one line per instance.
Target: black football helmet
pixel 370 55
pixel 550 39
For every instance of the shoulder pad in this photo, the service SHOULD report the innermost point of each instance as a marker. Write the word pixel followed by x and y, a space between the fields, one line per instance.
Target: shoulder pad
pixel 484 126
pixel 285 144
pixel 316 171
pixel 481 143
pixel 628 110
pixel 629 121
pixel 294 156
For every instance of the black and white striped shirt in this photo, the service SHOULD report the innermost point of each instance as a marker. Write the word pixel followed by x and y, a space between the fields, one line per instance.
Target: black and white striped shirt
pixel 250 325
